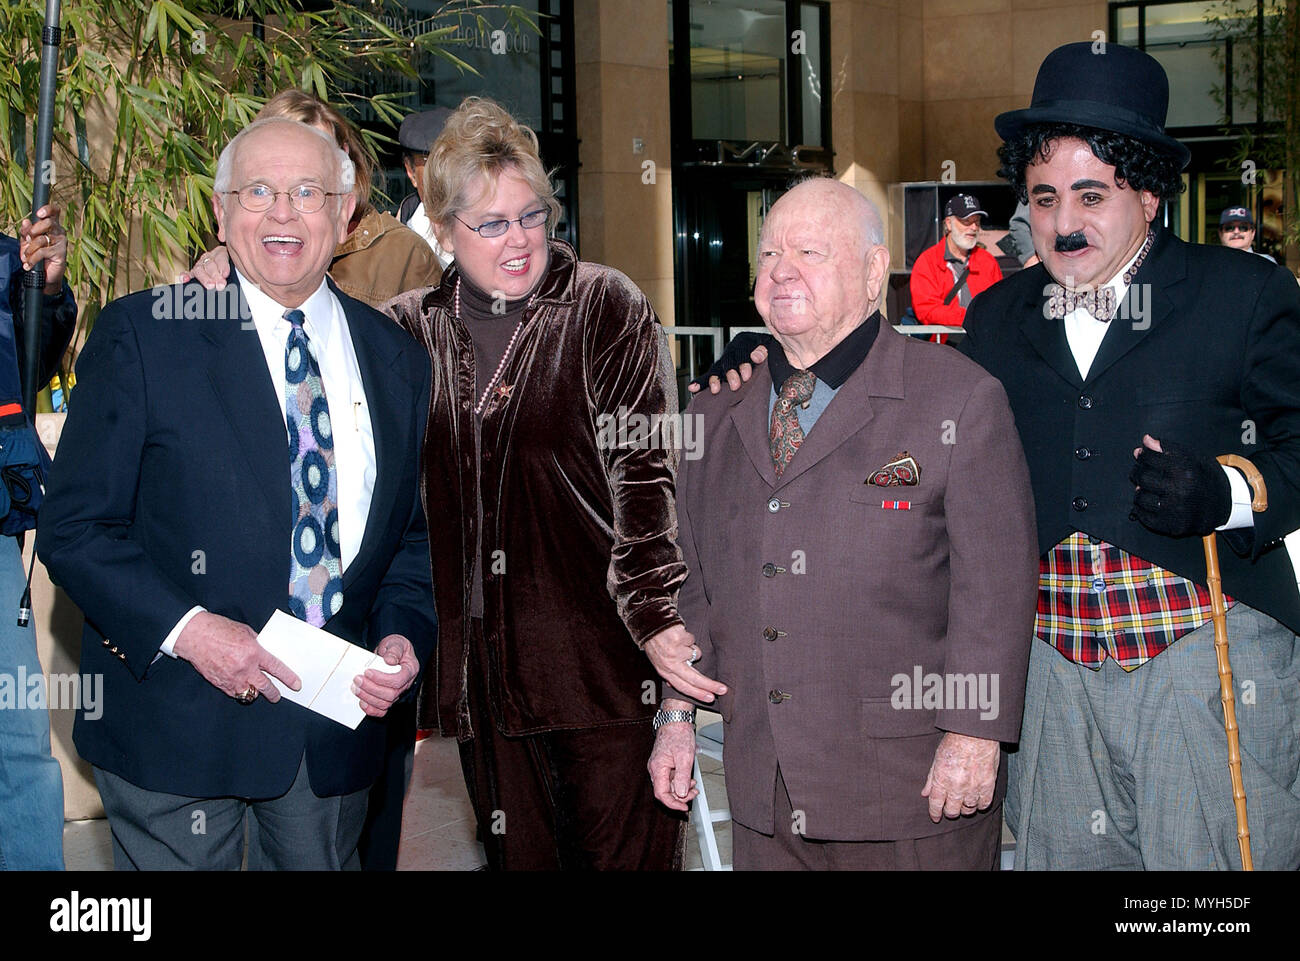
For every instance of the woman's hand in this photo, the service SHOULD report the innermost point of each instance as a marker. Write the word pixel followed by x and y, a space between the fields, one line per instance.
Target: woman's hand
pixel 212 269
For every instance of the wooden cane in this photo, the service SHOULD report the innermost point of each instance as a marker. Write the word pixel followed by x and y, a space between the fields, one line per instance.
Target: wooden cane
pixel 1258 503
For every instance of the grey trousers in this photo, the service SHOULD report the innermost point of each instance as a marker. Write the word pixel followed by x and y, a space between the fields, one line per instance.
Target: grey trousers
pixel 1130 770
pixel 298 831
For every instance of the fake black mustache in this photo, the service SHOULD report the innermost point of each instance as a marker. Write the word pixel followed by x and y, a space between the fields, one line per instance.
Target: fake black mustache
pixel 1074 241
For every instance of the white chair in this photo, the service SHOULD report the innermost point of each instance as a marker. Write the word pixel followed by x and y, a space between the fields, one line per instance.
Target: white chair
pixel 708 741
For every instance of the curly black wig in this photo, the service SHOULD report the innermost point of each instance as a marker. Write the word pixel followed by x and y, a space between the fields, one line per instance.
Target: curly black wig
pixel 1137 165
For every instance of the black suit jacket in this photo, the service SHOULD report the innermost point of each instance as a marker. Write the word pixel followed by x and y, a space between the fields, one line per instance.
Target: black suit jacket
pixel 170 489
pixel 1208 356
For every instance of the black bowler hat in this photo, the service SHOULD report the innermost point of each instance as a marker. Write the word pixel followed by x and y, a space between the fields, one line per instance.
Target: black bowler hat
pixel 419 130
pixel 1122 90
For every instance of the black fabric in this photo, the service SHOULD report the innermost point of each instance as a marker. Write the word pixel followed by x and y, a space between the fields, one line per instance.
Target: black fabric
pixel 840 361
pixel 382 833
pixel 835 368
pixel 1210 360
pixel 736 353
pixel 1180 494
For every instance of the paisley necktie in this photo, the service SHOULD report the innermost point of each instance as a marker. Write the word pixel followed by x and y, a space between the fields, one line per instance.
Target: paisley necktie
pixel 786 436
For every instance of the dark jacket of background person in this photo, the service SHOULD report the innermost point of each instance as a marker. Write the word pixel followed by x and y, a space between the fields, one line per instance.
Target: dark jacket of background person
pixel 946 586
pixel 1214 365
pixel 587 534
pixel 381 259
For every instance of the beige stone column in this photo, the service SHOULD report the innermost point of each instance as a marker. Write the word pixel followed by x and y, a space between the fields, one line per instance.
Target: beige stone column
pixel 625 215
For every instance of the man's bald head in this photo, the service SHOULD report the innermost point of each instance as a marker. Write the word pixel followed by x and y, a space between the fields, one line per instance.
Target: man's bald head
pixel 854 208
pixel 822 266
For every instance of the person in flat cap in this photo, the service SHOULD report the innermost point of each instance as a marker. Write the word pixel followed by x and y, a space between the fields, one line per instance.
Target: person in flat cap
pixel 1237 230
pixel 416 135
pixel 946 276
pixel 1131 359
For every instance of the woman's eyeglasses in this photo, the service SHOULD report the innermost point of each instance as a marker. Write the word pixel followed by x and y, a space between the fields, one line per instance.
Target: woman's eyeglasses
pixel 495 228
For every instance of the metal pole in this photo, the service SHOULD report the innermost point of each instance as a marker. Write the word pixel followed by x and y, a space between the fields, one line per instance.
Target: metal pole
pixel 34 279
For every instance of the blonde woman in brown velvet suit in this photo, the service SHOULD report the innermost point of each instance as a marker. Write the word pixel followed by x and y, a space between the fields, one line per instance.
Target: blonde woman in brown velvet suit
pixel 554 553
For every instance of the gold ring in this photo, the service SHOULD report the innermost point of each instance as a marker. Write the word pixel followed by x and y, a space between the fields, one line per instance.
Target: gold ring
pixel 249 695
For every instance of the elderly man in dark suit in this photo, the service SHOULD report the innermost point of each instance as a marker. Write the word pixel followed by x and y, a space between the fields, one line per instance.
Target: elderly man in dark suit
pixel 1132 359
pixel 254 450
pixel 860 538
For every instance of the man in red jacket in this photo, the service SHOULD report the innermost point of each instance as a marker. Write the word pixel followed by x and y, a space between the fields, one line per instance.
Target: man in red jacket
pixel 946 276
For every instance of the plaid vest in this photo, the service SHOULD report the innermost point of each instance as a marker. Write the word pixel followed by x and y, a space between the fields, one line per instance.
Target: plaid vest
pixel 1095 601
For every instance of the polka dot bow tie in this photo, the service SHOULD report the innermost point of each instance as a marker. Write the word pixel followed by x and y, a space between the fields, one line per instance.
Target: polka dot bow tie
pixel 315 570
pixel 1099 303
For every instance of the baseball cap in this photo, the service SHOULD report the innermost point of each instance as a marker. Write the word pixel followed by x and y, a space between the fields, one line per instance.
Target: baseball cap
pixel 962 206
pixel 1234 215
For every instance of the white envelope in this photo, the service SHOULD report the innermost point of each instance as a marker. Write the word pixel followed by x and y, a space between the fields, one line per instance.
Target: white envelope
pixel 324 663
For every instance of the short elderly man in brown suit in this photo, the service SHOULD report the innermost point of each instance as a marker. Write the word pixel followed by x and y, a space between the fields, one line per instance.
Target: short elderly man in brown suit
pixel 864 586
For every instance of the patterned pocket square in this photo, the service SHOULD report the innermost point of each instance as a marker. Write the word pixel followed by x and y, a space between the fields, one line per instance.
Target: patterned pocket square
pixel 902 471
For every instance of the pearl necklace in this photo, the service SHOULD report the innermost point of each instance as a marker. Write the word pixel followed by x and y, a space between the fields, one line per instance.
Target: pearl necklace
pixel 482 401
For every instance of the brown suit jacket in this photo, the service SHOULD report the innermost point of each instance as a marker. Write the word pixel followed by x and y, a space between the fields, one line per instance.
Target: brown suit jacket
pixel 947 587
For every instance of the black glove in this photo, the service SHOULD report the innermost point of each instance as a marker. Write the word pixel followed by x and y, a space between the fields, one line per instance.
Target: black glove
pixel 734 354
pixel 1181 493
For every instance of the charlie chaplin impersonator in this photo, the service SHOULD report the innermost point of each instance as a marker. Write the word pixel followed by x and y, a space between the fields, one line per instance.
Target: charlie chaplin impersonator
pixel 1131 359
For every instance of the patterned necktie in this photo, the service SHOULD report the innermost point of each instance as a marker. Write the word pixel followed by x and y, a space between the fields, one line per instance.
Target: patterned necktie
pixel 786 435
pixel 315 579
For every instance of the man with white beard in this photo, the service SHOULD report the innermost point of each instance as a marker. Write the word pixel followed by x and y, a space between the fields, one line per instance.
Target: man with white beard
pixel 946 276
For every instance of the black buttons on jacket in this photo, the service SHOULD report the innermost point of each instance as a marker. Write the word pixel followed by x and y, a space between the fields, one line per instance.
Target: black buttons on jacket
pixel 770 633
pixel 1079 503
pixel 1082 453
pixel 776 697
pixel 1085 402
pixel 769 569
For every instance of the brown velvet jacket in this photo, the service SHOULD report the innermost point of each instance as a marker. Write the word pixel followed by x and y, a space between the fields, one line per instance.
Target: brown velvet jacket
pixel 579 555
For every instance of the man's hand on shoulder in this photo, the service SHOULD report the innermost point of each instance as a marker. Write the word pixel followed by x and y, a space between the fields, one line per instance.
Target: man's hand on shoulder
pixel 376 690
pixel 963 776
pixel 228 656
pixel 732 364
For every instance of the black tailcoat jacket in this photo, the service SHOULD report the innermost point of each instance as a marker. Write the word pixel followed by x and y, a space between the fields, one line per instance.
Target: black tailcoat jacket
pixel 1207 354
pixel 175 444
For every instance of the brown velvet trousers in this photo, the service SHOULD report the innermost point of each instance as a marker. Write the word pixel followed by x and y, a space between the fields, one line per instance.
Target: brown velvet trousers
pixel 564 800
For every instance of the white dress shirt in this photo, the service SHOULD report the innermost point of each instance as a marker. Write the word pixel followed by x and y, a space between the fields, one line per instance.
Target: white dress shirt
pixel 421 224
pixel 1085 333
pixel 327 330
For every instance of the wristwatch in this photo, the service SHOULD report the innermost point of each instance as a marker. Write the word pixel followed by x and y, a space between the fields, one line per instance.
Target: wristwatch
pixel 672 717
